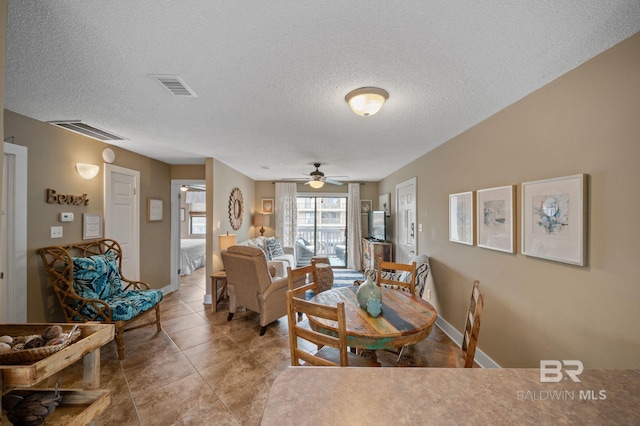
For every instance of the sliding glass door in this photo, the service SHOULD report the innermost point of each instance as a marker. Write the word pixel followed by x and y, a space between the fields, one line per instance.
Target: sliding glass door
pixel 322 229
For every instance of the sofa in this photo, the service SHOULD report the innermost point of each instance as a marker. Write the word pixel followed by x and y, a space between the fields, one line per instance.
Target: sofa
pixel 278 257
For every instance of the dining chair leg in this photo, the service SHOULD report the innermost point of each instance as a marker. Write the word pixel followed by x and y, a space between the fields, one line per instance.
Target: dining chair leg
pixel 400 353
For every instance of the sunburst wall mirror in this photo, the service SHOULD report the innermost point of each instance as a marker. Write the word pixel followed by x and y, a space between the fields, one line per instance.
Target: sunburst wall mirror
pixel 236 208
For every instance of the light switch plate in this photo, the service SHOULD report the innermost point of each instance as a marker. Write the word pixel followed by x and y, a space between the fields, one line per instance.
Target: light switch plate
pixel 56 232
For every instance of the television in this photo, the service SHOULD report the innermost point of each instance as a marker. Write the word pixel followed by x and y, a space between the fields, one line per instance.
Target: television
pixel 377 225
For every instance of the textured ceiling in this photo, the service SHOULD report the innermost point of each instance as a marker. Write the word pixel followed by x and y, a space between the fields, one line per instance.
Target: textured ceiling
pixel 271 77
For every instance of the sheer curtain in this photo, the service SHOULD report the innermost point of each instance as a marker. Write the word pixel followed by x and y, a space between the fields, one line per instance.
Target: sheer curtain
pixel 354 227
pixel 286 213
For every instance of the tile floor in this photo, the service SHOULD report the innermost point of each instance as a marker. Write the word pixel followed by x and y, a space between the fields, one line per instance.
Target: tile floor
pixel 200 369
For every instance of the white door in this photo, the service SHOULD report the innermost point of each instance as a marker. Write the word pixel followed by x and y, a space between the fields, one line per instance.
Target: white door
pixel 122 215
pixel 406 247
pixel 13 262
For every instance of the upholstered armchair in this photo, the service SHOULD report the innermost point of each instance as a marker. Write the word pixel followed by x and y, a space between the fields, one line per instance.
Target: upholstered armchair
pixel 251 285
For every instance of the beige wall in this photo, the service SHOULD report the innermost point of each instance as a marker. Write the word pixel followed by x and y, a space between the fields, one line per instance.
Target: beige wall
pixel 587 121
pixel 223 179
pixel 52 154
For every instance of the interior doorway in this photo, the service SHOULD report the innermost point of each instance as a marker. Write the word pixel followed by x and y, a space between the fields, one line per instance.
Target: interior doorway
pixel 13 262
pixel 189 236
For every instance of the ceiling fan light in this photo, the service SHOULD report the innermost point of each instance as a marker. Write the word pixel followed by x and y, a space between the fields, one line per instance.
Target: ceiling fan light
pixel 366 101
pixel 316 184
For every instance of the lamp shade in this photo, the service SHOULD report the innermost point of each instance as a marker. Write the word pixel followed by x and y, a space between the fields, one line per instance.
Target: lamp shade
pixel 366 101
pixel 87 171
pixel 262 220
pixel 226 241
pixel 315 184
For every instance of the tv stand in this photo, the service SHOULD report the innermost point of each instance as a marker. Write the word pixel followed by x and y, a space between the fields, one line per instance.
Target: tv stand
pixel 372 250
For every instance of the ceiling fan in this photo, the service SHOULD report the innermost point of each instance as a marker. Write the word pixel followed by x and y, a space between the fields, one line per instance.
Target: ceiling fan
pixel 318 179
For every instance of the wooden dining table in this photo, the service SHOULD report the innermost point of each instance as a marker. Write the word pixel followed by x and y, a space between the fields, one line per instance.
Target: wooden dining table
pixel 405 319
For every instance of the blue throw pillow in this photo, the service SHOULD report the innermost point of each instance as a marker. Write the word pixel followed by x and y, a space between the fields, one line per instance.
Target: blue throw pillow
pixel 97 276
pixel 273 247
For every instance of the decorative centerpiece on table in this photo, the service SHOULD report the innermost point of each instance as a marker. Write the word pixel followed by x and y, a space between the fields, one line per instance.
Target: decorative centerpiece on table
pixel 370 298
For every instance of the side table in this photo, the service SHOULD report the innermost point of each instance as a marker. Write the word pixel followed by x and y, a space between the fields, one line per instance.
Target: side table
pixel 220 276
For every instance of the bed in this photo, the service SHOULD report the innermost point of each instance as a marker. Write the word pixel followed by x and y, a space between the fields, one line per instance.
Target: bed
pixel 192 255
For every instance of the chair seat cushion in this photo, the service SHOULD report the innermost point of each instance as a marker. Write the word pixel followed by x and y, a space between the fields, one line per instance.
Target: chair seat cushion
pixel 125 305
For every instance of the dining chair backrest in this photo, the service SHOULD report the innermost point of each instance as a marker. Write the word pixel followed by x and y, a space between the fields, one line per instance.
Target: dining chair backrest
pixel 297 330
pixel 472 325
pixel 304 277
pixel 403 277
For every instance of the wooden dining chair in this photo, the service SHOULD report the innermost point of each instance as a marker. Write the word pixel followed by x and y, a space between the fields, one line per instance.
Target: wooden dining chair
pixel 332 350
pixel 441 355
pixel 398 275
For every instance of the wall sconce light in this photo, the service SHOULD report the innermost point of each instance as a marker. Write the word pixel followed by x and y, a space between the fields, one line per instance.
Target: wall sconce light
pixel 366 101
pixel 261 220
pixel 87 171
pixel 316 184
pixel 226 241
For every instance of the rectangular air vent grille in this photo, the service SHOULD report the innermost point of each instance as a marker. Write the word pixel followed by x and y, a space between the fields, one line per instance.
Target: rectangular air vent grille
pixel 175 85
pixel 87 130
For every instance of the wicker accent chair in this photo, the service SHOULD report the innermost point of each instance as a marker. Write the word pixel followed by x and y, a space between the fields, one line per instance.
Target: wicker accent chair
pixel 87 281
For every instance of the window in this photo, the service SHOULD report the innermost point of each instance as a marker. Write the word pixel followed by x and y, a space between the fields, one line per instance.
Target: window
pixel 197 225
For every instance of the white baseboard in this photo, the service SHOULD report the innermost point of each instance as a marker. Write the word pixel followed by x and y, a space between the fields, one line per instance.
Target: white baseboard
pixel 481 358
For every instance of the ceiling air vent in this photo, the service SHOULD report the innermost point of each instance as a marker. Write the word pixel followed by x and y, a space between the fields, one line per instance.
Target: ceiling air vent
pixel 87 130
pixel 175 85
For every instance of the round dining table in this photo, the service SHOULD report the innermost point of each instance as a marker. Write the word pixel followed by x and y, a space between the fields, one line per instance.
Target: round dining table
pixel 405 319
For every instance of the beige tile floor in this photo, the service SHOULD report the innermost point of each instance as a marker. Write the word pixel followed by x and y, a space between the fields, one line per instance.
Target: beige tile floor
pixel 200 369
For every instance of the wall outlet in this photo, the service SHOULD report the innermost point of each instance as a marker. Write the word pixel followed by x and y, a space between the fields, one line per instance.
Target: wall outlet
pixel 429 294
pixel 56 232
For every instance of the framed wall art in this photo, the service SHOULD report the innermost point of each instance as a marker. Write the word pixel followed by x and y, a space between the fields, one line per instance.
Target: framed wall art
pixel 366 206
pixel 91 226
pixel 554 219
pixel 461 218
pixel 154 209
pixel 267 206
pixel 495 218
pixel 384 203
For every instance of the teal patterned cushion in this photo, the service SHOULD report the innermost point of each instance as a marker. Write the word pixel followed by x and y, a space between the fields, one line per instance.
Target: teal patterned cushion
pixel 128 304
pixel 273 247
pixel 96 277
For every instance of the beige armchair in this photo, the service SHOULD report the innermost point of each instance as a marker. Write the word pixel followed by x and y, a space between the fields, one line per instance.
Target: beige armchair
pixel 251 285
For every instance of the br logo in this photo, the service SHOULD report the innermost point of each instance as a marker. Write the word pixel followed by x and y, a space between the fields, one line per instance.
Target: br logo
pixel 551 370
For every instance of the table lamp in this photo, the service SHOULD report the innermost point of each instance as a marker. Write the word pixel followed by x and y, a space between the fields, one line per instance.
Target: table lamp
pixel 226 241
pixel 261 220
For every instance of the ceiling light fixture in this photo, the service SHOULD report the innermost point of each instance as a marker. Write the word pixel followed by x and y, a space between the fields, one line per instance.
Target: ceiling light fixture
pixel 366 101
pixel 316 184
pixel 87 171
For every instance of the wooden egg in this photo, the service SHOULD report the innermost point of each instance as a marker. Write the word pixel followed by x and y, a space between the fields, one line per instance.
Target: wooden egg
pixel 51 332
pixel 4 347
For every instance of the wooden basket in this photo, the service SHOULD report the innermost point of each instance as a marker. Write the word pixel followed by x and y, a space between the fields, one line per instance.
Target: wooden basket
pixel 23 356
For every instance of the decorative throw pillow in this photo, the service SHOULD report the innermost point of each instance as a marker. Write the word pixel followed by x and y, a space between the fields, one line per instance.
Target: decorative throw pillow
pixel 96 277
pixel 274 248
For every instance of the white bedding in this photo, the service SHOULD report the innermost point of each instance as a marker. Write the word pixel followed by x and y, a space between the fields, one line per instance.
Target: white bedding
pixel 192 255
